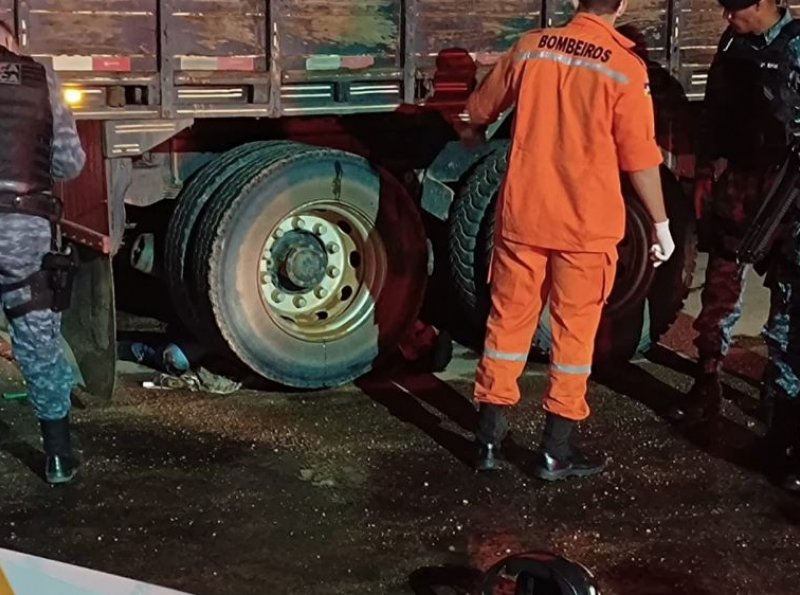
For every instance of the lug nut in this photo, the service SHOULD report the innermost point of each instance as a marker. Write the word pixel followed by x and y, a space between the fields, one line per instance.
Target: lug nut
pixel 321 293
pixel 277 297
pixel 278 234
pixel 298 223
pixel 320 229
pixel 333 248
pixel 333 272
pixel 299 302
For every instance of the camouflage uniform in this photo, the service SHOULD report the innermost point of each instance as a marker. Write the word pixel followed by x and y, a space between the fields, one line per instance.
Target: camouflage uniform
pixel 24 240
pixel 781 381
pixel 36 336
pixel 782 373
pixel 736 199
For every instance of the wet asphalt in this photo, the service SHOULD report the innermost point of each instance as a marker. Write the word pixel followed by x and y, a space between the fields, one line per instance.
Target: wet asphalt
pixel 367 489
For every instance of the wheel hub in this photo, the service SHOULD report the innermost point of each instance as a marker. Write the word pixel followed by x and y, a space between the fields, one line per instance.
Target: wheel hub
pixel 301 262
pixel 311 271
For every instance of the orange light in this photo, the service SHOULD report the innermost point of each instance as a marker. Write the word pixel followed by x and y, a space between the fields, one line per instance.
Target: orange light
pixel 73 96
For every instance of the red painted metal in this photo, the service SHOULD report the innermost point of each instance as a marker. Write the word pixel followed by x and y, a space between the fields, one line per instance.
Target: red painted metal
pixel 112 64
pixel 85 198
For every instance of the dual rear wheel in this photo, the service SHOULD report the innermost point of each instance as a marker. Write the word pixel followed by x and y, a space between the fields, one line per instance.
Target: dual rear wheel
pixel 307 264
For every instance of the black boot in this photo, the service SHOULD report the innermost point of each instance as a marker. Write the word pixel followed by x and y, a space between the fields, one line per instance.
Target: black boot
pixel 704 401
pixel 61 465
pixel 557 458
pixel 492 430
pixel 781 447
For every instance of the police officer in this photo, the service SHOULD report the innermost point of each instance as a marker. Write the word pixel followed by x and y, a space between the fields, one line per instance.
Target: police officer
pixel 740 140
pixel 38 143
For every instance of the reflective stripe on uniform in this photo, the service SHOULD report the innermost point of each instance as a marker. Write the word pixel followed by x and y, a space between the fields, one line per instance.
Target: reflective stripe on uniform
pixel 502 355
pixel 576 62
pixel 577 370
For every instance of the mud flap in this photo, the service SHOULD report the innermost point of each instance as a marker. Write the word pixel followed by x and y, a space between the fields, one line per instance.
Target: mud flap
pixel 90 327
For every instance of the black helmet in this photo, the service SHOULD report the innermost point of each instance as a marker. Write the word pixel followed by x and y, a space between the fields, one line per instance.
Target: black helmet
pixel 542 573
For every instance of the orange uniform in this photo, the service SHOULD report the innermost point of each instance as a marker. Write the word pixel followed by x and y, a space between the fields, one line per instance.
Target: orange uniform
pixel 583 112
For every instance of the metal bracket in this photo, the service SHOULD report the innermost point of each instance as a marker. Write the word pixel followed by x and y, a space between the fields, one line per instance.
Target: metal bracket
pixel 135 137
pixel 449 167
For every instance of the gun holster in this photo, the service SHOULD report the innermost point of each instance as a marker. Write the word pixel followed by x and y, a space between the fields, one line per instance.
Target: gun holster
pixel 50 287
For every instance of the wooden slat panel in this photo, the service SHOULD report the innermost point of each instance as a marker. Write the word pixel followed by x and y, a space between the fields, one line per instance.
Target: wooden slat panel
pixel 480 26
pixel 700 28
pixel 645 22
pixel 93 27
pixel 219 28
pixel 649 18
pixel 7 12
pixel 699 31
pixel 370 28
pixel 477 26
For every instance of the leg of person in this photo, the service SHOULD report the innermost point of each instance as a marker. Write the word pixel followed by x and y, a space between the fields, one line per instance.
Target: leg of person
pixel 736 198
pixel 581 284
pixel 36 341
pixel 519 287
pixel 721 309
pixel 781 383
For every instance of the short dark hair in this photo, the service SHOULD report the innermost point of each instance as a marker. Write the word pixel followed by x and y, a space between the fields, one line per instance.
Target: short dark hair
pixel 601 6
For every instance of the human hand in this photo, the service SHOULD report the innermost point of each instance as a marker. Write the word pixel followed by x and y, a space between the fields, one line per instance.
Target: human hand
pixel 661 251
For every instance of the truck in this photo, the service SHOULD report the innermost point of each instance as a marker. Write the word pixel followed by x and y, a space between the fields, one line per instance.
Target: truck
pixel 300 153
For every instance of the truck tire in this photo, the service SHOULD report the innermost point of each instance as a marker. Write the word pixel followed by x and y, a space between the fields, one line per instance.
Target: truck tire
pixel 309 265
pixel 644 302
pixel 191 205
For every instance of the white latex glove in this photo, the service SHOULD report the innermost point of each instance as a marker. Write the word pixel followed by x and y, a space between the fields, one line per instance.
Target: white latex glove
pixel 664 246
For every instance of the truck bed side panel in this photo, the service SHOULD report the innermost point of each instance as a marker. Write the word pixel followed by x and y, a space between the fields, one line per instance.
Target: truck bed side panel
pixel 218 35
pixel 336 34
pixel 701 25
pixel 645 22
pixel 93 35
pixel 7 12
pixel 481 27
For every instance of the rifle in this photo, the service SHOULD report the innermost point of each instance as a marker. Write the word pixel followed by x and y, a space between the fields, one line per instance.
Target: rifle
pixel 784 192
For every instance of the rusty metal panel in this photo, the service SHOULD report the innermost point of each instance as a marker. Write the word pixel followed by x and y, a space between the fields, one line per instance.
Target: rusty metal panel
pixel 339 35
pixel 481 27
pixel 225 35
pixel 86 216
pixel 99 29
pixel 646 22
pixel 7 12
pixel 700 27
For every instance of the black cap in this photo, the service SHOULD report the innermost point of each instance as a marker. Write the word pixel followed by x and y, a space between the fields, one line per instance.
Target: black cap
pixel 737 4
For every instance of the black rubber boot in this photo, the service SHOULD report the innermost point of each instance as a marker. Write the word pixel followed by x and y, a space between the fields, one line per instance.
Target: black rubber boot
pixel 704 401
pixel 781 443
pixel 61 465
pixel 557 459
pixel 492 430
pixel 442 353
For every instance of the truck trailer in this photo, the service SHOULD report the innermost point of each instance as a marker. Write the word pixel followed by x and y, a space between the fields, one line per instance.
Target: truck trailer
pixel 301 150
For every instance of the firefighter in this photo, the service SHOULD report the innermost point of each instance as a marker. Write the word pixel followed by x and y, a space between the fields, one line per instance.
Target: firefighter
pixel 738 144
pixel 39 144
pixel 583 112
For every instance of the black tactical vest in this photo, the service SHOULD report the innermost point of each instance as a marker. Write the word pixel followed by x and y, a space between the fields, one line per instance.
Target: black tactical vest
pixel 26 125
pixel 761 101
